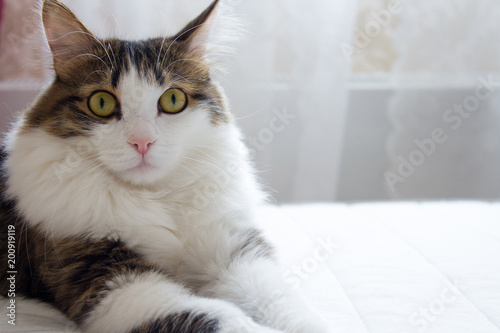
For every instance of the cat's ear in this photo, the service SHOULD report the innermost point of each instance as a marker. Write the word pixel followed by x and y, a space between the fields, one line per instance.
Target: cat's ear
pixel 66 35
pixel 197 32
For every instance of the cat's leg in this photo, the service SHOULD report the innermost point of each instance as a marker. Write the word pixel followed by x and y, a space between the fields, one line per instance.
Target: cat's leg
pixel 105 287
pixel 253 281
pixel 149 303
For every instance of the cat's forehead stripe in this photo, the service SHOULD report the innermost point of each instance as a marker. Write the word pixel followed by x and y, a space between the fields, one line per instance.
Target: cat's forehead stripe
pixel 143 55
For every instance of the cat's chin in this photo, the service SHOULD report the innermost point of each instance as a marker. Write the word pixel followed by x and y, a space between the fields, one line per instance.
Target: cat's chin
pixel 142 175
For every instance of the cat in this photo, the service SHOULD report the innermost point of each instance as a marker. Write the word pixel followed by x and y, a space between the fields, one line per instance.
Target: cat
pixel 129 196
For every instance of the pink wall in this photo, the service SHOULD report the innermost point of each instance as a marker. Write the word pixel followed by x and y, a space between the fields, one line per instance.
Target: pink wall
pixel 1 13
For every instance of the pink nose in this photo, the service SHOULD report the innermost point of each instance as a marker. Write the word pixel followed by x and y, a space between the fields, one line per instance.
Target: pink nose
pixel 141 145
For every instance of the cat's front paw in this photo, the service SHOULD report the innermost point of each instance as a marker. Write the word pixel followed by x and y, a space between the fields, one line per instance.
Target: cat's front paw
pixel 191 322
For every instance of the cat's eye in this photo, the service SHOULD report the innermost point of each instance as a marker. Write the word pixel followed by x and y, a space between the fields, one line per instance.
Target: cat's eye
pixel 173 101
pixel 102 104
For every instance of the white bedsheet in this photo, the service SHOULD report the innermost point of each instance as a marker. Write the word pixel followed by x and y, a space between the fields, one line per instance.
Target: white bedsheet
pixel 387 267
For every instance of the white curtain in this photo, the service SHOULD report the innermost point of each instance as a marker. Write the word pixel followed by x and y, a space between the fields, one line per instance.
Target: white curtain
pixel 291 66
pixel 21 47
pixel 446 106
pixel 286 81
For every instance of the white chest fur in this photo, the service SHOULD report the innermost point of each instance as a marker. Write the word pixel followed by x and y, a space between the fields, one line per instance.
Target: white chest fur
pixel 181 220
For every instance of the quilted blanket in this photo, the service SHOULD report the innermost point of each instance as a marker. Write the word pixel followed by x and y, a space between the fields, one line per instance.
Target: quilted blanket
pixel 384 267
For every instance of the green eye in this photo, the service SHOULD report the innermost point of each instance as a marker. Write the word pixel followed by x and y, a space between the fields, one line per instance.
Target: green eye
pixel 173 101
pixel 102 104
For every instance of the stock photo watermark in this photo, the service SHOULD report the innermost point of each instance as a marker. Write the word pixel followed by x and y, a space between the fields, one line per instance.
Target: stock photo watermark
pixel 453 119
pixel 373 28
pixel 11 274
pixel 294 277
pixel 298 273
pixel 207 192
pixel 278 123
pixel 426 315
pixel 29 31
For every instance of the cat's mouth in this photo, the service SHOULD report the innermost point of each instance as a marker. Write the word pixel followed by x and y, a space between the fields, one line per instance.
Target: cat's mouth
pixel 139 170
pixel 142 167
pixel 141 173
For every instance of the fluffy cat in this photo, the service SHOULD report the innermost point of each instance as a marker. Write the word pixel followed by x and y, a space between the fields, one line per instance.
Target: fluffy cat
pixel 128 190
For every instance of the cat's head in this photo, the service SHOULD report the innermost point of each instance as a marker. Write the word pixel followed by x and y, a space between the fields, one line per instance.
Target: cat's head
pixel 142 104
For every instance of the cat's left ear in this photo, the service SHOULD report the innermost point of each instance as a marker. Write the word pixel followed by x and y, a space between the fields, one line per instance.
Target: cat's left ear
pixel 66 35
pixel 197 32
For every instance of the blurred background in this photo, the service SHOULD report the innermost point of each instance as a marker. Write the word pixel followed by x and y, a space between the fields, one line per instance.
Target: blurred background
pixel 340 100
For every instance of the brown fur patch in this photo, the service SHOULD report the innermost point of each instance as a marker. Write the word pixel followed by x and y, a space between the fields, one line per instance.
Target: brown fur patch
pixel 70 273
pixel 185 322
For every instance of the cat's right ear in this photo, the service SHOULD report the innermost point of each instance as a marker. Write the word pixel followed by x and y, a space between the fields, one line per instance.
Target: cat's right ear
pixel 196 33
pixel 66 35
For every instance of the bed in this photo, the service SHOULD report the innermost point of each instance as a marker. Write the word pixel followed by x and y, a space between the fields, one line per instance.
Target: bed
pixel 379 267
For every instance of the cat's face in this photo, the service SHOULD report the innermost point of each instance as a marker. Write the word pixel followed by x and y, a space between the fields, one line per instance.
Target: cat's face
pixel 143 105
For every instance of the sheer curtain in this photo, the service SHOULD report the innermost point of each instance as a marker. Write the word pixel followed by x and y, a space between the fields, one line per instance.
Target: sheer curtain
pixel 423 118
pixel 286 82
pixel 20 44
pixel 291 68
pixel 446 107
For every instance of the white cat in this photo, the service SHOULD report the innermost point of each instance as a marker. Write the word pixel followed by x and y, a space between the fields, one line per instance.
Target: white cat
pixel 132 195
